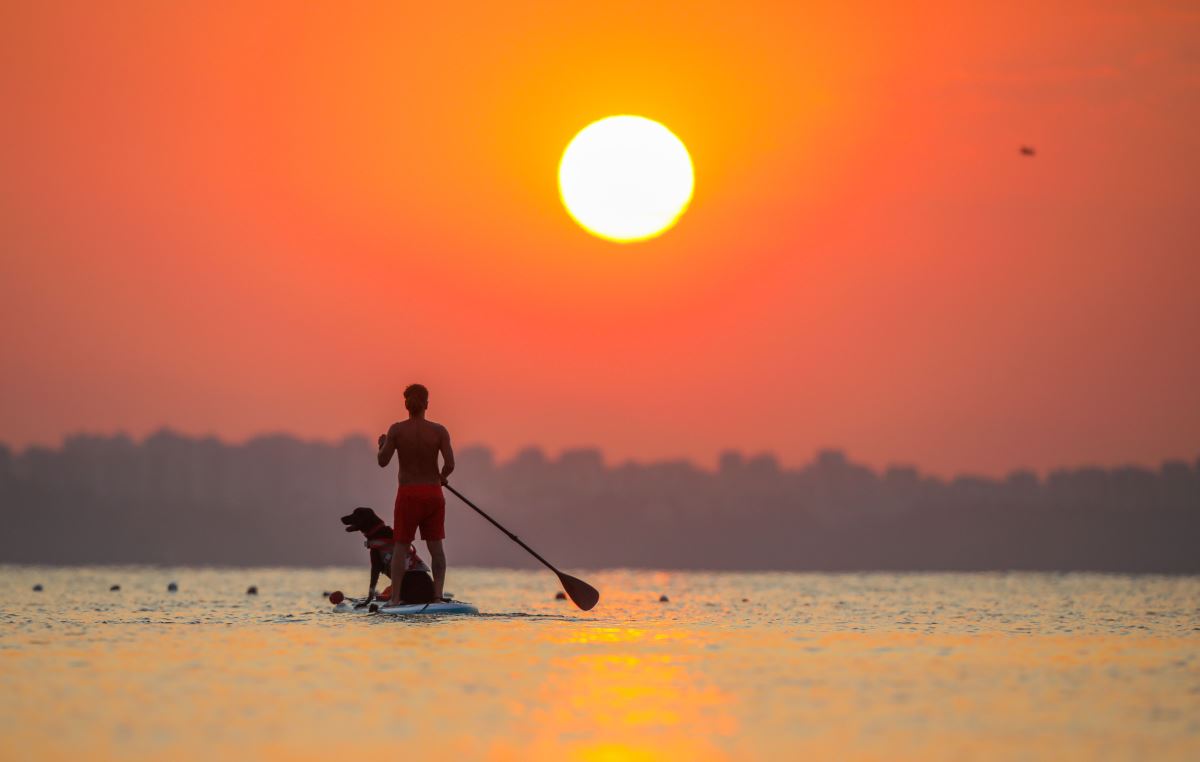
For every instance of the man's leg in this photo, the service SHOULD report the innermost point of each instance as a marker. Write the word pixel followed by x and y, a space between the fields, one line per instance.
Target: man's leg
pixel 399 566
pixel 437 560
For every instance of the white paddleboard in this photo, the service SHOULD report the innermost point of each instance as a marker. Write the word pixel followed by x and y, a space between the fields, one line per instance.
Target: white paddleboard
pixel 352 606
pixel 415 609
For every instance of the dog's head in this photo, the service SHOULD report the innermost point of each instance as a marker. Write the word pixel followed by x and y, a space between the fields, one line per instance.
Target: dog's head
pixel 361 520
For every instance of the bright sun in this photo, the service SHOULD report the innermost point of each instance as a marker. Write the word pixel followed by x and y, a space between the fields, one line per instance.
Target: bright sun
pixel 625 178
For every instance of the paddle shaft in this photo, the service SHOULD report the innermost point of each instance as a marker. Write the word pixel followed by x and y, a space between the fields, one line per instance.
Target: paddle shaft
pixel 496 524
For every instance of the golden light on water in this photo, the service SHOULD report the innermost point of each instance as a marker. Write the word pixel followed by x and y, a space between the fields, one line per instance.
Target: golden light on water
pixel 203 674
pixel 624 696
pixel 626 178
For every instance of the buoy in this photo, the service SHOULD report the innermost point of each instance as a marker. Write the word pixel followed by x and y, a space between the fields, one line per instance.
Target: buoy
pixel 560 596
pixel 663 599
pixel 37 588
pixel 172 588
pixel 336 597
pixel 114 587
pixel 252 590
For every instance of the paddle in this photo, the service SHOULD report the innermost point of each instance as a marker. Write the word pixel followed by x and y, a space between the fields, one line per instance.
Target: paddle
pixel 584 595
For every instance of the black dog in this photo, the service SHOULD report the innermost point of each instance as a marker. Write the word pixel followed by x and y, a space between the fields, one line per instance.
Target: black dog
pixel 417 585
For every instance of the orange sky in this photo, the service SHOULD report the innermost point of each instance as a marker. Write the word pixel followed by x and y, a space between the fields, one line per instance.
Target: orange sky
pixel 234 221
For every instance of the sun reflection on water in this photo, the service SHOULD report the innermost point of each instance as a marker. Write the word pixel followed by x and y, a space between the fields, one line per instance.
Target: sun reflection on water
pixel 628 701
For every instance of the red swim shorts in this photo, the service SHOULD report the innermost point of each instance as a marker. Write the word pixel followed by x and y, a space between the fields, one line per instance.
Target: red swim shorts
pixel 419 506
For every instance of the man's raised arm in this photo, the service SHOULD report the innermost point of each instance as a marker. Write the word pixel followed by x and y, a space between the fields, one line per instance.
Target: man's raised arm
pixel 387 446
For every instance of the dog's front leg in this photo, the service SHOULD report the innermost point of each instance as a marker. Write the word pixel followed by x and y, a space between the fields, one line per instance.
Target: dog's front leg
pixel 376 566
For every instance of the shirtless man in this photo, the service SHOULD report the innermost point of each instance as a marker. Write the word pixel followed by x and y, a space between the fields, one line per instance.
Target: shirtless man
pixel 419 500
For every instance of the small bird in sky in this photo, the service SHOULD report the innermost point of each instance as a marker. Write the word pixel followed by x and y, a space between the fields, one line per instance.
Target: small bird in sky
pixel 1028 151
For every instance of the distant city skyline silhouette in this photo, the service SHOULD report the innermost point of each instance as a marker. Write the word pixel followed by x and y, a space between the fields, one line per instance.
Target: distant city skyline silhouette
pixel 275 500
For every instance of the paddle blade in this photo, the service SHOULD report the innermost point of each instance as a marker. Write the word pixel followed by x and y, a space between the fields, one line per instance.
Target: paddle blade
pixel 584 595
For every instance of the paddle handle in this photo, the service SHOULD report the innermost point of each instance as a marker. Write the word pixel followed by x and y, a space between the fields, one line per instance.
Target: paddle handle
pixel 496 524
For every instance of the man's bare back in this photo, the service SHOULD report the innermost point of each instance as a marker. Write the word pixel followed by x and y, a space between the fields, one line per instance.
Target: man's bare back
pixel 417 443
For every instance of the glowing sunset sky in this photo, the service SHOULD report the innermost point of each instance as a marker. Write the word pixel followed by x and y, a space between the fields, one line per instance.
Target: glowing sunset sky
pixel 234 221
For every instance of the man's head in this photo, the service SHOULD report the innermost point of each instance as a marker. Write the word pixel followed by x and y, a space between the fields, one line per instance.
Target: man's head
pixel 416 398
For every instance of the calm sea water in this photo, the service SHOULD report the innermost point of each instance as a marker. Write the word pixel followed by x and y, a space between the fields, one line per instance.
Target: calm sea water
pixel 765 666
